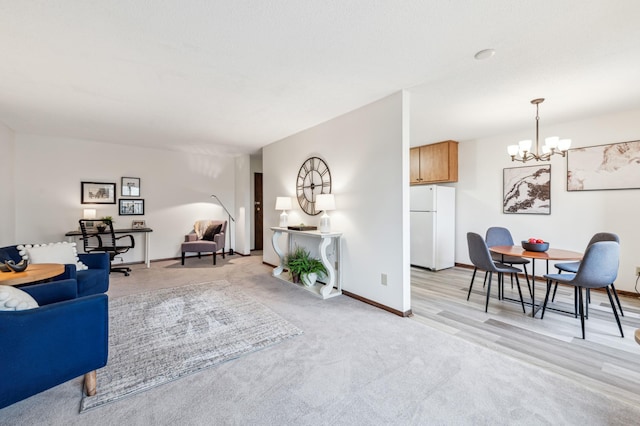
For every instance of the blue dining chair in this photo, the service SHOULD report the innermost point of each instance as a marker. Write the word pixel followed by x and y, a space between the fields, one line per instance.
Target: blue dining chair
pixel 498 236
pixel 481 259
pixel 572 267
pixel 598 269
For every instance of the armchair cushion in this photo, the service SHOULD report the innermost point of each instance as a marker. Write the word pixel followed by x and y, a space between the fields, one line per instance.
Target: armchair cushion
pixel 211 232
pixel 14 299
pixel 62 252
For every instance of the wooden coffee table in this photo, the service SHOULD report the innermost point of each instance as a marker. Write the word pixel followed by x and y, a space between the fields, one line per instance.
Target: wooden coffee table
pixel 33 273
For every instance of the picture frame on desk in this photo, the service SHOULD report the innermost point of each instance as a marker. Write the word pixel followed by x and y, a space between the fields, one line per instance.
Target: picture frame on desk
pixel 138 224
pixel 130 187
pixel 130 207
pixel 97 193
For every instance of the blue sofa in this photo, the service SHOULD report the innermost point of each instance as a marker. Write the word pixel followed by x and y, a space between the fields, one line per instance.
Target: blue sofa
pixel 65 337
pixel 94 280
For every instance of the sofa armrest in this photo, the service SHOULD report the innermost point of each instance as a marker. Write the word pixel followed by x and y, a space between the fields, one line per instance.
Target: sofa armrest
pixel 95 260
pixel 53 292
pixel 190 237
pixel 219 240
pixel 50 345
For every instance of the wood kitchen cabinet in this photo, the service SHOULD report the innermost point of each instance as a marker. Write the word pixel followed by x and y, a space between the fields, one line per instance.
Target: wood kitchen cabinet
pixel 434 163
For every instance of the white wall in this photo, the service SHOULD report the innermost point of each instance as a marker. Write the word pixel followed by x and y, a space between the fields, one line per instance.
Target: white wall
pixel 242 225
pixel 7 173
pixel 176 188
pixel 575 216
pixel 365 150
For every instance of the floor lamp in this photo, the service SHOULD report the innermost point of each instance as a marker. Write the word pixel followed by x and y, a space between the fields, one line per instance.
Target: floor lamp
pixel 231 219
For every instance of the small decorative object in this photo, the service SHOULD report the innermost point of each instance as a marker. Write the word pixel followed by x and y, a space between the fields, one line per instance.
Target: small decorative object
pixel 138 224
pixel 130 187
pixel 131 207
pixel 302 227
pixel 17 267
pixel 98 193
pixel 314 178
pixel 4 267
pixel 284 204
pixel 535 244
pixel 304 267
pixel 325 202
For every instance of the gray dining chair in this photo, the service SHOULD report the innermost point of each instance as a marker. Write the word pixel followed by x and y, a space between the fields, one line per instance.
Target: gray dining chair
pixel 598 269
pixel 572 267
pixel 481 259
pixel 498 236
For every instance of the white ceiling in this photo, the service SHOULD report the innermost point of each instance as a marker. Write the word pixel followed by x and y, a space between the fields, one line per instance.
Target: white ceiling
pixel 232 76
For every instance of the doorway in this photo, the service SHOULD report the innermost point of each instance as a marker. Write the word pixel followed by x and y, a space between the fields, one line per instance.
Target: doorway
pixel 257 210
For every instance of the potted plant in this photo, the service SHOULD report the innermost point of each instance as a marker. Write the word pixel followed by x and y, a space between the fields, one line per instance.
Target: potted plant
pixel 303 267
pixel 106 220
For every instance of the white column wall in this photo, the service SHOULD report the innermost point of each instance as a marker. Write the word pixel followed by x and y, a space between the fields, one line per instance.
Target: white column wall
pixel 176 188
pixel 364 150
pixel 575 216
pixel 7 173
pixel 242 226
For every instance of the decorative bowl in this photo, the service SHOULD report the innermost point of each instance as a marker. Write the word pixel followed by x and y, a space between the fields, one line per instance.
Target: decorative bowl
pixel 535 246
pixel 17 267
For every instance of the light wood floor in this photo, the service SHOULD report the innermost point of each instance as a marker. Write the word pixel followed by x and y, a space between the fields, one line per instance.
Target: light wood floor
pixel 603 361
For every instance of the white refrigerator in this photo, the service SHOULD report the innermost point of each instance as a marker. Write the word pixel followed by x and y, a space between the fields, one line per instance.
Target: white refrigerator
pixel 432 216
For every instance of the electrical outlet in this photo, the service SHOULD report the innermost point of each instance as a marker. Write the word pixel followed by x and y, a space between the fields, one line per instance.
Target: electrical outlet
pixel 637 270
pixel 383 279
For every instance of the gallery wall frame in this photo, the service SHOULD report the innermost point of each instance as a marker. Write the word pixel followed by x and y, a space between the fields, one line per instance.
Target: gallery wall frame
pixel 130 187
pixel 130 207
pixel 97 193
pixel 526 190
pixel 604 167
pixel 138 224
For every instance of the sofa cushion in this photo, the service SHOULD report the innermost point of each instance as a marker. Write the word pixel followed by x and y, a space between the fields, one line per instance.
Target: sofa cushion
pixel 62 252
pixel 92 281
pixel 211 232
pixel 14 299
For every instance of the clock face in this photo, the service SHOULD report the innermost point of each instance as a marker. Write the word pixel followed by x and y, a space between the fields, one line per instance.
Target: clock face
pixel 314 178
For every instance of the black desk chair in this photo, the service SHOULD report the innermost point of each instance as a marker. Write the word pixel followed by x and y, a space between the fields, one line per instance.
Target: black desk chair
pixel 106 241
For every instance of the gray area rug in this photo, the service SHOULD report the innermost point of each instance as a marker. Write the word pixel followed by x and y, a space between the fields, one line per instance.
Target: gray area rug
pixel 163 335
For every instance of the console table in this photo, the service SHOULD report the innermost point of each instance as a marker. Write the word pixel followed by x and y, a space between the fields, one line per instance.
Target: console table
pixel 334 273
pixel 146 231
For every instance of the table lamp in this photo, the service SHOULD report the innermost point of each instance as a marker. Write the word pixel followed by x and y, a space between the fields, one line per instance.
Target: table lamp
pixel 284 204
pixel 89 214
pixel 325 202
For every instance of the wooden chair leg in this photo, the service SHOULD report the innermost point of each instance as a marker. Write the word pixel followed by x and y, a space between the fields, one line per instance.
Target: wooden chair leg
pixel 90 383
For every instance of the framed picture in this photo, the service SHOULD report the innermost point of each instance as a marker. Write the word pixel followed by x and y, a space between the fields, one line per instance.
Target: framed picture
pixel 138 224
pixel 130 187
pixel 97 193
pixel 527 190
pixel 602 167
pixel 130 207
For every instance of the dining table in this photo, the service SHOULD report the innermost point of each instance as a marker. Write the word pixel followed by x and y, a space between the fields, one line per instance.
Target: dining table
pixel 553 254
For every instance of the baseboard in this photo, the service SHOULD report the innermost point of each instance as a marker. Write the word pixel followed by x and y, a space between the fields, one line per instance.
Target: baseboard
pixel 378 305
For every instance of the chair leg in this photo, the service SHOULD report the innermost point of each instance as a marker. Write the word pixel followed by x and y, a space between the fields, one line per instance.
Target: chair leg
pixel 473 277
pixel 486 306
pixel 575 302
pixel 90 383
pixel 519 291
pixel 223 253
pixel 581 306
pixel 546 299
pixel 615 312
pixel 214 257
pixel 484 282
pixel 587 301
pixel 615 293
pixel 182 258
pixel 553 297
pixel 199 255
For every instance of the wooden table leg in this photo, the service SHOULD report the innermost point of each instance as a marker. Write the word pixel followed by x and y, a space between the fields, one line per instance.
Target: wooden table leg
pixel 90 383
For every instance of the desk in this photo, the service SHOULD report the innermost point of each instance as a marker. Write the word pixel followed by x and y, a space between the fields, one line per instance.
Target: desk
pixel 551 254
pixel 334 274
pixel 147 231
pixel 33 273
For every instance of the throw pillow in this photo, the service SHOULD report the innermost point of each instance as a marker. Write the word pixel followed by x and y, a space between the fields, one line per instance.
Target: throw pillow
pixel 211 232
pixel 63 252
pixel 13 299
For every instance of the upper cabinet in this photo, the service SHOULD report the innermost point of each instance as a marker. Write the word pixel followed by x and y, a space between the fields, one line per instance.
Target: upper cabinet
pixel 434 163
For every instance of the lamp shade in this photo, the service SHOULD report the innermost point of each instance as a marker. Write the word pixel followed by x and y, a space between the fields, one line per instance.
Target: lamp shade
pixel 325 202
pixel 283 203
pixel 89 214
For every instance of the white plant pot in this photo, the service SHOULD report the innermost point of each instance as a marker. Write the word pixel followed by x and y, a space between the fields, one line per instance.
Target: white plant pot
pixel 309 279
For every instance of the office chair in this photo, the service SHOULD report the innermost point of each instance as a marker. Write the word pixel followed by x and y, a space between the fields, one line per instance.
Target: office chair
pixel 94 241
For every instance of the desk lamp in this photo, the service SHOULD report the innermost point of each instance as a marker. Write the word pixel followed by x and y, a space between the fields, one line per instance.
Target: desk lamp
pixel 325 202
pixel 284 204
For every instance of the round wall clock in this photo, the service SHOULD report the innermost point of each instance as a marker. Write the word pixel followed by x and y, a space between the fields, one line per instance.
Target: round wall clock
pixel 313 178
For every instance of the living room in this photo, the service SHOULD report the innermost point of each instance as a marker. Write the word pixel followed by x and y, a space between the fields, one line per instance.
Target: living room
pixel 365 144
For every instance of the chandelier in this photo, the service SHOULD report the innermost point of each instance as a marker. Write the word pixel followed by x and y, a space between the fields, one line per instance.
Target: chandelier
pixel 552 145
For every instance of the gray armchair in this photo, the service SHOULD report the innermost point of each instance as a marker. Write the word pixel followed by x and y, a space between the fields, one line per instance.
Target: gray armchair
pixel 207 236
